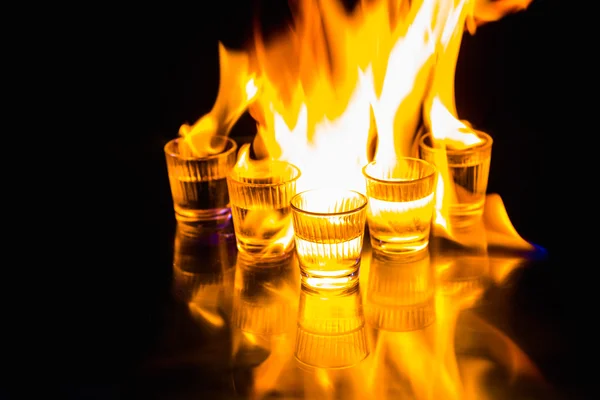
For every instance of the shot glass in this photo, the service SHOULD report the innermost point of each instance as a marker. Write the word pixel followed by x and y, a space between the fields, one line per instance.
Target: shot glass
pixel 401 204
pixel 199 184
pixel 260 196
pixel 400 295
pixel 468 171
pixel 331 329
pixel 329 227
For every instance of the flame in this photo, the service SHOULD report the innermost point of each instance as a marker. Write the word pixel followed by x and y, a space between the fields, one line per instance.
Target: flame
pixel 334 91
pixel 340 88
pixel 236 90
pixel 263 221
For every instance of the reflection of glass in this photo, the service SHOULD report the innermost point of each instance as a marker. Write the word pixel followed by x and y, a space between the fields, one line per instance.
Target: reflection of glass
pixel 468 169
pixel 460 273
pixel 400 295
pixel 260 203
pixel 199 183
pixel 265 306
pixel 401 203
pixel 200 263
pixel 265 295
pixel 331 328
pixel 329 227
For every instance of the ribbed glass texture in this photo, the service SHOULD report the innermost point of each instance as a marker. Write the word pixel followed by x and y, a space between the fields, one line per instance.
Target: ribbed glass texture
pixel 198 184
pixel 468 170
pixel 260 196
pixel 331 328
pixel 400 294
pixel 329 230
pixel 401 204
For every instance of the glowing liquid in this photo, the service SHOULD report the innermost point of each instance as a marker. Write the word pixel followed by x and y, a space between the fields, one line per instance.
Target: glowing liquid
pixel 326 258
pixel 263 232
pixel 400 226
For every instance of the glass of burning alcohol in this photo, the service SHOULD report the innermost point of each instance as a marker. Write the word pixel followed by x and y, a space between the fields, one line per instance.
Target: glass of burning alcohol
pixel 329 227
pixel 468 170
pixel 199 182
pixel 401 204
pixel 260 193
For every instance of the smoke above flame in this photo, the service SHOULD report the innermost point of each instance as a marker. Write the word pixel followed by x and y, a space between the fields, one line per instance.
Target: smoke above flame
pixel 340 88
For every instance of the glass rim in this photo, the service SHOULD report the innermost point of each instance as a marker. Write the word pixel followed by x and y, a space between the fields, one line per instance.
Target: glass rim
pixel 420 161
pixel 224 153
pixel 297 173
pixel 362 197
pixel 487 143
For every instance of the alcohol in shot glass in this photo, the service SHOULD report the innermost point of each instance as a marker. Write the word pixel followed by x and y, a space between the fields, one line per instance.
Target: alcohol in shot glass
pixel 468 171
pixel 329 229
pixel 199 183
pixel 331 330
pixel 260 195
pixel 401 204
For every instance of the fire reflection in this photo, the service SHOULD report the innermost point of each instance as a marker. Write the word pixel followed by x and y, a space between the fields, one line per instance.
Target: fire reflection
pixel 422 333
pixel 202 263
pixel 265 304
pixel 414 329
pixel 400 294
pixel 331 328
pixel 265 295
pixel 413 334
pixel 461 274
pixel 429 339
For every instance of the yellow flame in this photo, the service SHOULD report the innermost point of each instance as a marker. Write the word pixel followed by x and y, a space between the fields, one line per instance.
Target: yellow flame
pixel 340 88
pixel 236 90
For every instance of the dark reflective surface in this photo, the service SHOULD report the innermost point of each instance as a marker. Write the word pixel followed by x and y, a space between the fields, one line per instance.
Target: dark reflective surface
pixel 430 328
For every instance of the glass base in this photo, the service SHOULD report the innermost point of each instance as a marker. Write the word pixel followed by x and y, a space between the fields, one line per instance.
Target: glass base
pixel 407 252
pixel 200 221
pixel 319 282
pixel 265 252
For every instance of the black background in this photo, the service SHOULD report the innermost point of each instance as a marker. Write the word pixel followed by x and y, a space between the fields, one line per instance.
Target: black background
pixel 143 72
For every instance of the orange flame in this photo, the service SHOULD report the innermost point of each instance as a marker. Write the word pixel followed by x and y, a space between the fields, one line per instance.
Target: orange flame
pixel 340 88
pixel 236 90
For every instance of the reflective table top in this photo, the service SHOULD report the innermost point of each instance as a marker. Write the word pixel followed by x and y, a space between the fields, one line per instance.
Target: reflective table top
pixel 434 328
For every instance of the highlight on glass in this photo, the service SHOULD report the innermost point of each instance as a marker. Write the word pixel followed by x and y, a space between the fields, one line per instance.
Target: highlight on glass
pixel 401 204
pixel 331 329
pixel 468 171
pixel 329 229
pixel 198 181
pixel 260 193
